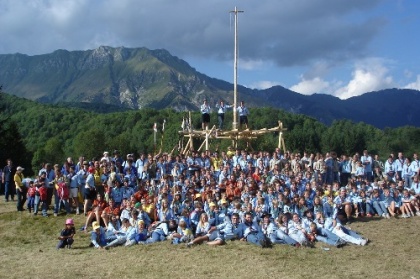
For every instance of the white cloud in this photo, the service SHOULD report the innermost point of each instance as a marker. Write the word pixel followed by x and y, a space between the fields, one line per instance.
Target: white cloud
pixel 263 84
pixel 250 65
pixel 369 75
pixel 310 86
pixel 414 85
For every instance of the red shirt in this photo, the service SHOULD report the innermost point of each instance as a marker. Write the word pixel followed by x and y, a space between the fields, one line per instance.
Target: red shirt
pixel 31 192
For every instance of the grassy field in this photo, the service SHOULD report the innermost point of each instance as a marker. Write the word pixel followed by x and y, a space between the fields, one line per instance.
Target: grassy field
pixel 27 250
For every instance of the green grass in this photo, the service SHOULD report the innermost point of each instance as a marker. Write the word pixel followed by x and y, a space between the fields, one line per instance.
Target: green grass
pixel 27 250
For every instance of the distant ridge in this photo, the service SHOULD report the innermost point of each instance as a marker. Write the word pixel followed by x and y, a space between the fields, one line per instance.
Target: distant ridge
pixel 108 79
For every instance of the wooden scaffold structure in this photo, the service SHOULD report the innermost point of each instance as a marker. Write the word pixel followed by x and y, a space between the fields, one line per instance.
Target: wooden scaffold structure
pixel 235 134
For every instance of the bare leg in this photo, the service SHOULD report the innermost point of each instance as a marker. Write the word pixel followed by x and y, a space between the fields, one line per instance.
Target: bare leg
pixel 391 208
pixel 85 206
pixel 105 219
pixel 216 242
pixel 89 219
pixel 98 215
pixel 199 240
pixel 348 210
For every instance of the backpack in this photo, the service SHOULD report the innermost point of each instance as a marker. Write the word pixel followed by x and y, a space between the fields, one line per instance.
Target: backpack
pixel 63 191
pixel 42 193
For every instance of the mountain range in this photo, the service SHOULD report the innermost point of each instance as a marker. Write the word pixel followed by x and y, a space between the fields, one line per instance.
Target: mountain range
pixel 133 78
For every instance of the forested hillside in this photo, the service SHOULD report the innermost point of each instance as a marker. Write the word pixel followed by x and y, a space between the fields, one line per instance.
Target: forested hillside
pixel 119 79
pixel 32 133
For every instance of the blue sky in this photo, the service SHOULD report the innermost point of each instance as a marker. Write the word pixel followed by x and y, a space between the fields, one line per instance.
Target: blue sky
pixel 340 47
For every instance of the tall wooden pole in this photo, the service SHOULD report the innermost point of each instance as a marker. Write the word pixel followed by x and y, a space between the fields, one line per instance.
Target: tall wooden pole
pixel 235 71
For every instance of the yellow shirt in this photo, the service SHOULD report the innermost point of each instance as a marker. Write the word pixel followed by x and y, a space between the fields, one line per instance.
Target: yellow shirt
pixel 230 153
pixel 217 163
pixel 186 231
pixel 18 178
pixel 97 177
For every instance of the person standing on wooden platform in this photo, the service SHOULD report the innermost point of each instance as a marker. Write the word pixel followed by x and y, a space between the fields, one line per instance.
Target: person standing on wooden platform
pixel 221 106
pixel 243 115
pixel 205 115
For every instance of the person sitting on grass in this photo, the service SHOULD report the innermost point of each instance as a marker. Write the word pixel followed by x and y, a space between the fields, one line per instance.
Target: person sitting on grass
pixel 97 236
pixel 281 233
pixel 140 234
pixel 158 231
pixel 343 206
pixel 66 235
pixel 126 232
pixel 406 206
pixel 297 231
pixel 114 225
pixel 110 211
pixel 98 207
pixel 202 230
pixel 251 232
pixel 183 234
pixel 389 203
pixel 323 235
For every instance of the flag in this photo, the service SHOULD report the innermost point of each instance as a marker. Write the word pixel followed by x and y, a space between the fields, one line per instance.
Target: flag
pixel 183 123
pixel 155 128
pixel 163 125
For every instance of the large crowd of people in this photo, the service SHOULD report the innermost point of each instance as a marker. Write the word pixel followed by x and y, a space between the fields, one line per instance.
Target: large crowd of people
pixel 260 197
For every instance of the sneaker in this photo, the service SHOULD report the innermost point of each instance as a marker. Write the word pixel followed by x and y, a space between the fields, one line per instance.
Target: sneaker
pixel 384 215
pixel 189 245
pixel 387 216
pixel 363 242
pixel 404 216
pixel 55 214
pixel 369 215
pixel 130 242
pixel 417 213
pixel 342 243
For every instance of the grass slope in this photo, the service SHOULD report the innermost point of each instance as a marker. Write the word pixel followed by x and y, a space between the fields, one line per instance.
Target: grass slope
pixel 27 250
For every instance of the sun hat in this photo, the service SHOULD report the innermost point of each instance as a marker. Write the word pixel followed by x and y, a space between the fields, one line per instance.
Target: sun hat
pixel 95 225
pixel 69 221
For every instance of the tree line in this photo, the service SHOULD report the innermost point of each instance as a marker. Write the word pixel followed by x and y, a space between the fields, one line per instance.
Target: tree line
pixel 32 133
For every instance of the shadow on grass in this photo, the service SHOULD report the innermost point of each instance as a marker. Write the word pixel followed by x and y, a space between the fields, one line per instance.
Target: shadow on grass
pixel 87 247
pixel 365 220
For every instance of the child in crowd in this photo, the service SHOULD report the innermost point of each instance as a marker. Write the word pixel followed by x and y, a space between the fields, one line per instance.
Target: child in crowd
pixel 66 235
pixel 30 201
pixel 41 197
pixel 389 202
pixel 97 236
pixel 183 234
